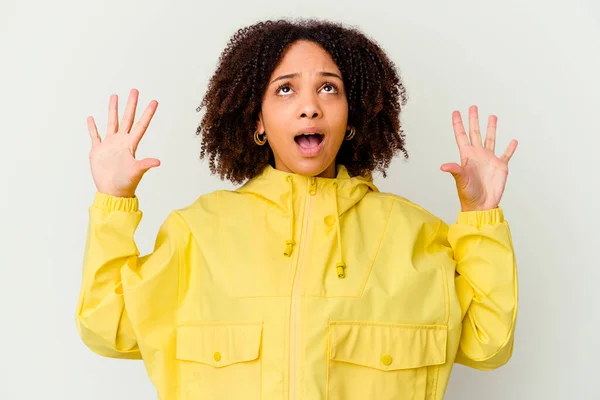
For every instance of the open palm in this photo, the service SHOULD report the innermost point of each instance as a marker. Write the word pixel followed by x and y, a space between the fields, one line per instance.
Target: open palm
pixel 481 176
pixel 115 169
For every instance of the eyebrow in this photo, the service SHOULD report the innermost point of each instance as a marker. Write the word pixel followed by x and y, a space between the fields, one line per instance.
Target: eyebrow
pixel 296 74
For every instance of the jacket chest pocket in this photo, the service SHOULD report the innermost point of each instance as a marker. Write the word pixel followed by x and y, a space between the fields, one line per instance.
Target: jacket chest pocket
pixel 383 361
pixel 219 361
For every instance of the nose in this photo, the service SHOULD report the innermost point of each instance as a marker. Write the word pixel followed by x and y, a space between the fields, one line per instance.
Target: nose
pixel 309 107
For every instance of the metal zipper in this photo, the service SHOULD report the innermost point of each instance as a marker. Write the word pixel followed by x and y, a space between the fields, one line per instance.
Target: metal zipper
pixel 295 303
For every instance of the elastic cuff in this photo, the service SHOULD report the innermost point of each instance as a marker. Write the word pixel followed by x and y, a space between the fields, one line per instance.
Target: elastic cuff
pixel 113 203
pixel 479 218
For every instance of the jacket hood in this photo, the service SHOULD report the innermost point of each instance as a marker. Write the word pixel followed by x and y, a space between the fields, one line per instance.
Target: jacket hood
pixel 287 191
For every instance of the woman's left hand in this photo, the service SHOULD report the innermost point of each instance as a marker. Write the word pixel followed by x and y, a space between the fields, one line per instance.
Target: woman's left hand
pixel 481 177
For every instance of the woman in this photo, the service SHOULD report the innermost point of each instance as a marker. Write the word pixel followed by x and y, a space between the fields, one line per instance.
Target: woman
pixel 305 282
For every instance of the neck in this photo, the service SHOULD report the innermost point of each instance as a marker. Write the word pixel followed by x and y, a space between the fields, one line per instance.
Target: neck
pixel 329 172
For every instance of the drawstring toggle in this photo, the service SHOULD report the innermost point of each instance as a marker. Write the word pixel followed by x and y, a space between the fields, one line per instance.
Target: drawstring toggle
pixel 341 270
pixel 289 246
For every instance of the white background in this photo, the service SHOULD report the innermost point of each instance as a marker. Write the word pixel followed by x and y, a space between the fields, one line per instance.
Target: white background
pixel 534 64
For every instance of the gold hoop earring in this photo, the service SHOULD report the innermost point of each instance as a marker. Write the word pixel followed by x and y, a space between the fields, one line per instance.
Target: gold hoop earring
pixel 351 134
pixel 257 138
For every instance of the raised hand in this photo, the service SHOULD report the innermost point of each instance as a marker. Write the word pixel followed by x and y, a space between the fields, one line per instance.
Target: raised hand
pixel 481 177
pixel 115 169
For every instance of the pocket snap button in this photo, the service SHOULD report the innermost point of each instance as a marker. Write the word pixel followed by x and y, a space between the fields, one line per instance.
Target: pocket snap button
pixel 386 359
pixel 217 356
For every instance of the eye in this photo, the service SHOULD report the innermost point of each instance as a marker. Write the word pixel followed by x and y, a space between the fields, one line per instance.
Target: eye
pixel 283 89
pixel 330 87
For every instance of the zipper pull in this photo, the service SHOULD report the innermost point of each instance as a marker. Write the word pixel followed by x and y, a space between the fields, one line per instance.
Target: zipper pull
pixel 312 189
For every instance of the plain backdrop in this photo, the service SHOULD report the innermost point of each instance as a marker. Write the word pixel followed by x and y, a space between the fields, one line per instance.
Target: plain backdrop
pixel 534 64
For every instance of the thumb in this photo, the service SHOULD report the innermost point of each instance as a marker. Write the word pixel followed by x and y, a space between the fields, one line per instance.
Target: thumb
pixel 453 168
pixel 147 163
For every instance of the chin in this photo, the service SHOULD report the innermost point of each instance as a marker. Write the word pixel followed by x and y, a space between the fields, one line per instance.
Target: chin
pixel 309 166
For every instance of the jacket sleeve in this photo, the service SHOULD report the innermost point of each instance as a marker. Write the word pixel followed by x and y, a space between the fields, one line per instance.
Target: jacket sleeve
pixel 123 295
pixel 486 286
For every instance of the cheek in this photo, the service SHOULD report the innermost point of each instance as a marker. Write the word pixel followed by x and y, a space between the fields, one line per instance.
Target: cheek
pixel 340 108
pixel 339 118
pixel 275 116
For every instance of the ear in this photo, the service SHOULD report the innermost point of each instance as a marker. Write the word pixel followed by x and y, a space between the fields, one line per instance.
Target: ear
pixel 260 127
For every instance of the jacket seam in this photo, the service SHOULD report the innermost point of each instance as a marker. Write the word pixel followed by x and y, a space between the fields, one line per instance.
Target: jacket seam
pixel 435 380
pixel 181 244
pixel 364 322
pixel 445 276
pixel 383 234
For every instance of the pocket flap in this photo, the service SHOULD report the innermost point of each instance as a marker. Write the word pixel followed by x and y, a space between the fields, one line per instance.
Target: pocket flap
pixel 388 346
pixel 218 344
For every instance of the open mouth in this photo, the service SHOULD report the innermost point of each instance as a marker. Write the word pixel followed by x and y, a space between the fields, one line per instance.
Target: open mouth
pixel 309 140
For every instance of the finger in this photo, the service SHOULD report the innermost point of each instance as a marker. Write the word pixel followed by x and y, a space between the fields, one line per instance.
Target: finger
pixel 510 150
pixel 129 115
pixel 452 168
pixel 490 136
pixel 140 127
pixel 113 115
pixel 459 130
pixel 93 130
pixel 474 132
pixel 147 163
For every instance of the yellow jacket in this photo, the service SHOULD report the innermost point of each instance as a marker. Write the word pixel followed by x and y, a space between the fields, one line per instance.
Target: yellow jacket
pixel 293 287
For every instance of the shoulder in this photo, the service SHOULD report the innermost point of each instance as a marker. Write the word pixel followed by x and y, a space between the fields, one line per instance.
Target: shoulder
pixel 207 203
pixel 216 204
pixel 408 221
pixel 204 211
pixel 402 207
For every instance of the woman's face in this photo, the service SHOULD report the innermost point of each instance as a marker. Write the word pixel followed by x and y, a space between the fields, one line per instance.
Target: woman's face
pixel 305 111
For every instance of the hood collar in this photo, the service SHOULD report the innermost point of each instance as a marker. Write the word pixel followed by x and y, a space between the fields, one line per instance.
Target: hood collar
pixel 274 185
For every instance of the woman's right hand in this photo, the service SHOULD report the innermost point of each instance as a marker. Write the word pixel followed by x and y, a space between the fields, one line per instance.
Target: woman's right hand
pixel 114 168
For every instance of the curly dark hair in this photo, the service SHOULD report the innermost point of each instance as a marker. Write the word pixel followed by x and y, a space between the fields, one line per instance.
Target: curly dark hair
pixel 233 99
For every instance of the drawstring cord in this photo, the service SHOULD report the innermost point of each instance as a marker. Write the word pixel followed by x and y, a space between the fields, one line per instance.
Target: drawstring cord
pixel 340 266
pixel 289 244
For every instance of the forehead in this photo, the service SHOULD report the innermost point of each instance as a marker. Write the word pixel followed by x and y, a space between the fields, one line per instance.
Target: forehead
pixel 305 55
